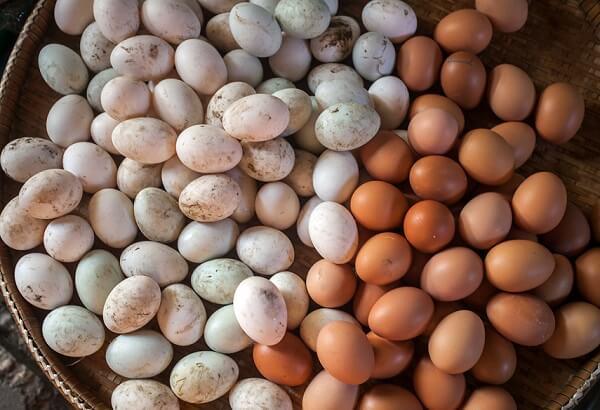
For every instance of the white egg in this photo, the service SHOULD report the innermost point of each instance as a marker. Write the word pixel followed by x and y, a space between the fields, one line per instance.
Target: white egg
pixel 373 56
pixel 267 161
pixel 243 66
pixel 133 176
pixel 333 232
pixel 172 20
pixel 255 393
pixel 391 99
pixel 304 218
pixel 95 49
pixel 97 273
pixel 255 29
pixel 274 84
pixel 201 66
pixel 257 117
pixel 268 5
pixel 19 230
pixel 118 19
pixel 68 238
pixel 157 215
pixel 94 167
pixel 73 331
pixel 303 18
pixel 335 176
pixel 332 71
pixel 97 83
pixel 139 355
pixel 146 140
pixel 50 194
pixel 317 320
pixel 101 130
pixel 265 250
pixel 62 69
pixel 177 104
pixel 295 295
pixel 123 98
pixel 181 316
pixel 223 333
pixel 218 6
pixel 332 5
pixel 245 210
pixel 145 394
pixel 208 149
pixel 156 260
pixel 216 280
pixel 347 126
pixel 301 177
pixel 112 219
pixel 223 98
pixel 202 241
pixel 299 106
pixel 292 60
pixel 71 16
pixel 392 18
pixel 143 57
pixel 69 120
pixel 43 281
pixel 341 91
pixel 210 198
pixel 219 33
pixel 335 44
pixel 277 205
pixel 24 157
pixel 306 138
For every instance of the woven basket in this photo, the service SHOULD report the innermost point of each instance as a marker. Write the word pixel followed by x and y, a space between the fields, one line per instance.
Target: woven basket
pixel 557 44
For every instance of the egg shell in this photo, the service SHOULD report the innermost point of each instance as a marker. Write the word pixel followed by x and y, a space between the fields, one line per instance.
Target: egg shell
pixel 19 230
pixel 303 220
pixel 157 215
pixel 288 363
pixel 244 67
pixel 438 178
pixel 317 319
pixel 181 315
pixel 101 131
pixel 62 69
pixel 391 100
pixel 387 157
pixel 389 397
pixel 559 113
pixel 490 398
pixel 401 314
pixel 267 161
pixel 273 85
pixel 294 294
pixel 216 280
pixel 256 118
pixel 208 149
pixel 373 56
pixel 143 393
pixel 330 285
pixel 520 136
pixel 210 198
pixel 327 392
pixel 427 101
pixel 193 55
pixel 378 206
pixel 511 93
pixel 146 140
pixel 268 5
pixel 418 63
pixel 71 16
pixel 256 393
pixel 577 331
pixel 245 210
pixel 140 354
pixel 201 241
pixel 539 203
pixel 333 232
pixel 486 157
pixel 68 238
pixel 335 176
pixel 463 79
pixel 560 283
pixel 300 179
pixel 95 86
pixel 485 220
pixel 507 16
pixel 94 167
pixel 336 42
pixel 24 157
pixel 306 138
pixel 277 205
pixel 436 389
pixel 265 250
pixel 433 131
pixel 42 281
pixel 73 331
pixel 172 20
pixel 222 332
pixel 69 120
pixel 177 104
pixel 429 226
pixel 219 33
pixel 392 18
pixel 383 259
pixel 498 362
pixel 364 298
pixel 134 176
pixel 572 235
pixel 464 30
pixel 112 218
pixel 139 294
pixel 521 318
pixel 482 295
pixel 260 310
pixel 292 60
pixel 123 98
pixel 303 19
pixel 97 273
pixel 218 6
pixel 255 29
pixel 391 358
pixel 346 126
pixel 117 19
pixel 332 71
pixel 299 106
pixel 154 259
pixel 95 49
pixel 333 92
pixel 223 98
pixel 175 176
pixel 587 273
pixel 440 311
pixel 143 57
pixel 50 194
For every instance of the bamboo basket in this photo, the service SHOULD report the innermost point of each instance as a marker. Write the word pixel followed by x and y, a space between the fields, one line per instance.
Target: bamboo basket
pixel 560 42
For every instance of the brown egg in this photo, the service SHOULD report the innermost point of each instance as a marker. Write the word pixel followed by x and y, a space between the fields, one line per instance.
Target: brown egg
pixel 482 295
pixel 389 397
pixel 539 203
pixel 463 79
pixel 518 265
pixel 485 220
pixel 595 220
pixel 490 398
pixel 387 157
pixel 427 101
pixel 440 311
pixel 587 275
pixel 520 136
pixel 511 93
pixel 429 226
pixel 506 189
pixel 439 178
pixel 365 297
pixel 521 318
pixel 330 285
pixel 345 352
pixel 391 358
pixel 577 331
pixel 378 206
pixel 498 361
pixel 518 233
pixel 413 276
pixel 507 16
pixel 559 285
pixel 432 132
pixel 436 389
pixel 457 342
pixel 383 259
pixel 419 61
pixel 572 235
pixel 464 30
pixel 401 314
pixel 560 112
pixel 452 274
pixel 325 392
pixel 486 157
pixel 288 362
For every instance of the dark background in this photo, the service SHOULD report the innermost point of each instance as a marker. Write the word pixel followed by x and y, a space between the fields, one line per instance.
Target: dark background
pixel 22 384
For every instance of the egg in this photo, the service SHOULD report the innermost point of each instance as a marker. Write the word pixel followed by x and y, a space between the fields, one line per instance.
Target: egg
pixel 334 92
pixel 95 86
pixel 288 363
pixel 401 314
pixel 595 221
pixel 219 374
pixel 576 333
pixel 245 210
pixel 260 310
pixel 511 93
pixel 365 297
pixel 560 113
pixel 387 157
pixel 101 131
pixel 507 16
pixel 327 392
pixel 95 49
pixel 175 176
pixel 181 315
pixel 438 178
pixel 244 67
pixel 498 362
pixel 572 235
pixel 317 319
pixel 146 140
pixel 62 69
pixel 218 6
pixel 265 250
pixel 268 5
pixel 507 189
pixel 433 131
pixel 336 42
pixel 143 57
pixel 73 331
pixel 560 283
pixel 335 176
pixel 171 20
pixel 134 176
pixel 292 60
pixel 587 274
pixel 255 393
pixel 428 101
pixel 143 393
pixel 436 389
pixel 463 79
pixel 464 30
pixel 97 273
pixel 485 220
pixel 255 29
pixel 273 85
pixel 373 56
pixel 521 318
pixel 216 280
pixel 333 232
pixel 177 104
pixel 490 398
pixel 208 149
pixel 482 295
pixel 391 99
pixel 419 62
pixel 117 19
pixel 123 98
pixel 520 136
pixel 441 310
pixel 68 238
pixel 429 226
pixel 378 205
pixel 486 157
pixel 92 165
pixel 391 358
pixel 112 218
pixel 306 138
pixel 392 18
pixel 139 355
pixel 24 157
pixel 383 259
pixel 139 294
pixel 157 215
pixel 332 71
pixel 295 295
pixel 267 161
pixel 539 203
pixel 50 194
pixel 346 126
pixel 71 17
pixel 219 33
pixel 69 120
pixel 303 220
pixel 388 397
pixel 330 285
pixel 19 230
pixel 312 22
pixel 345 352
pixel 193 55
pixel 299 106
pixel 222 332
pixel 154 259
pixel 301 176
pixel 223 98
pixel 42 281
pixel 210 198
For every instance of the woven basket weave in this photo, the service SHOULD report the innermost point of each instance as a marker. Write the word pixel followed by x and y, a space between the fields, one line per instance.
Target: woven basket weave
pixel 559 43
